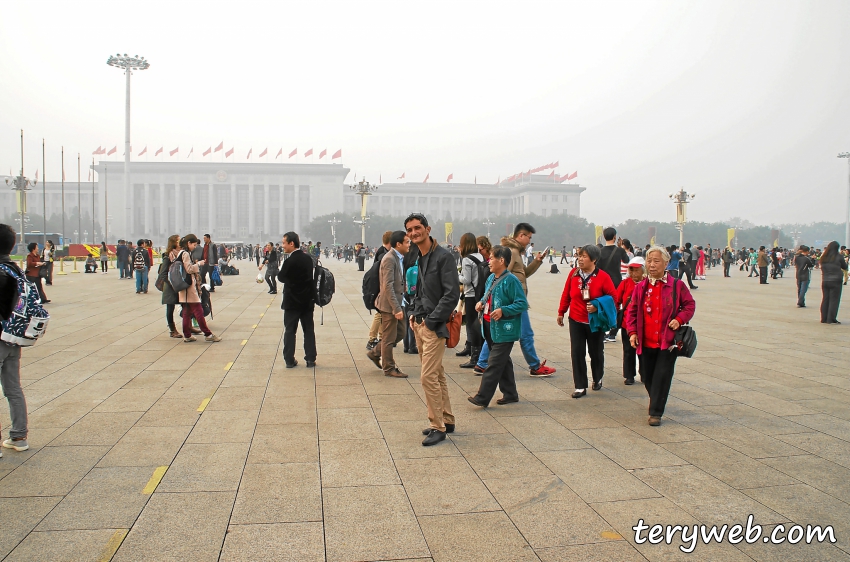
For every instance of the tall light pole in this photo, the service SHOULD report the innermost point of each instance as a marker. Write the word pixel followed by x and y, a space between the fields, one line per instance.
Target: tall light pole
pixel 363 189
pixel 128 64
pixel 847 216
pixel 488 224
pixel 334 222
pixel 21 185
pixel 681 199
pixel 795 234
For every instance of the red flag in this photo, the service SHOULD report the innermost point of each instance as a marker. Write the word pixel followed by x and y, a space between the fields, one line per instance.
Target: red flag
pixel 401 177
pixel 450 178
pixel 337 154
pixel 144 150
pixel 323 153
pixel 309 152
pixel 191 151
pixel 228 153
pixel 426 178
pixel 551 175
pixel 572 176
pixel 157 153
pixel 264 152
pixel 97 151
pixel 173 152
pixel 207 151
pixel 293 153
pixel 279 152
pixel 113 151
pixel 249 153
pixel 556 164
pixel 220 146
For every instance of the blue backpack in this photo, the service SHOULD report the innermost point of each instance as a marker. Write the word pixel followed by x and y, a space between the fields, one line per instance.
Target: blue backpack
pixel 411 276
pixel 215 277
pixel 28 321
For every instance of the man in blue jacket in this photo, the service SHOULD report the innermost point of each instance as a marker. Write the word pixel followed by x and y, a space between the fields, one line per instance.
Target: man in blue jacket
pixel 502 306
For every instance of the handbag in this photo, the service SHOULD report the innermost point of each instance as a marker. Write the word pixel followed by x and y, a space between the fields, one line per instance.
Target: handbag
pixel 44 271
pixel 453 326
pixel 685 338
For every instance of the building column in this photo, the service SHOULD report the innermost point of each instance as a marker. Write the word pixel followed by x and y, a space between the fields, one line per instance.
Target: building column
pixel 296 216
pixel 280 211
pixel 193 206
pixel 234 227
pixel 178 208
pixel 146 211
pixel 163 211
pixel 211 225
pixel 266 201
pixel 252 224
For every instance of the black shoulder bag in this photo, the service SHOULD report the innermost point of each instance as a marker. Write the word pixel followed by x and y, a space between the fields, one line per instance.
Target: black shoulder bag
pixel 685 338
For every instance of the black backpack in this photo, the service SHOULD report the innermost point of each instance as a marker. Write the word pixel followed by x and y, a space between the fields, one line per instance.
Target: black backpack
pixel 483 270
pixel 325 285
pixel 372 285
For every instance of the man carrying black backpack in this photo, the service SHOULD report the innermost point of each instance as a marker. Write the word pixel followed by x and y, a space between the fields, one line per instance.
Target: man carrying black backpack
pixel 141 265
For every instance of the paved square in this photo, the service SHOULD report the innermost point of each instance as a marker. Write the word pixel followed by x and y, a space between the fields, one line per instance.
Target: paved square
pixel 147 448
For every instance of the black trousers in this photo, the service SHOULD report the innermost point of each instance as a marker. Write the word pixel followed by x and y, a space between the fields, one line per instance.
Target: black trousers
pixel 629 356
pixel 830 302
pixel 37 282
pixel 409 335
pixel 169 317
pixel 726 269
pixel 583 340
pixel 473 327
pixel 656 371
pixel 763 275
pixel 361 264
pixel 688 271
pixel 271 279
pixel 291 318
pixel 499 372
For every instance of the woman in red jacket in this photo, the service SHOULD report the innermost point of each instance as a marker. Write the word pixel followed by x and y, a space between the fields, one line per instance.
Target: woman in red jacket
pixel 651 321
pixel 584 284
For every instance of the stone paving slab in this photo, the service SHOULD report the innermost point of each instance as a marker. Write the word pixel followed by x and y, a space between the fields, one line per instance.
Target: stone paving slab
pixel 254 461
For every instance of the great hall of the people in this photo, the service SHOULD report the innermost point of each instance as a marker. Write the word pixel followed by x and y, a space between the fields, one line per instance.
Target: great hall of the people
pixel 259 201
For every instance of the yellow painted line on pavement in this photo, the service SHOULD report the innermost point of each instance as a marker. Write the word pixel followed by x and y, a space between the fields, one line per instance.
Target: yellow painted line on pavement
pixel 268 306
pixel 228 366
pixel 262 314
pixel 204 403
pixel 112 546
pixel 158 473
pixel 612 535
pixel 243 342
pixel 254 326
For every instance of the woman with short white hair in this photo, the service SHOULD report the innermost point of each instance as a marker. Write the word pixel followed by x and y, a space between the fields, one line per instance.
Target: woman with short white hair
pixel 651 321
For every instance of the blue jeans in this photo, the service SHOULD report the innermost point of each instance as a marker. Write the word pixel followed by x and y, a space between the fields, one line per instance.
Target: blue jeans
pixel 120 265
pixel 141 279
pixel 802 287
pixel 526 343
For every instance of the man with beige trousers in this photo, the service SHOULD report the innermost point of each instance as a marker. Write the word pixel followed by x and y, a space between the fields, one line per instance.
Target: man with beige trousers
pixel 390 304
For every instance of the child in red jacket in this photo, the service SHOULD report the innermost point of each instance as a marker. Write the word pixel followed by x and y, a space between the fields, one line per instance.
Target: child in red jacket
pixel 637 272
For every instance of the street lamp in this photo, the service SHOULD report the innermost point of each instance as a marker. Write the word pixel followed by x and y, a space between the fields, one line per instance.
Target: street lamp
pixel 681 199
pixel 795 234
pixel 847 217
pixel 128 64
pixel 363 189
pixel 488 224
pixel 21 185
pixel 334 222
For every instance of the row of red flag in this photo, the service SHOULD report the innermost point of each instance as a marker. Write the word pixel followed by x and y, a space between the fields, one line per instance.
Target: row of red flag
pixel 227 154
pixel 516 177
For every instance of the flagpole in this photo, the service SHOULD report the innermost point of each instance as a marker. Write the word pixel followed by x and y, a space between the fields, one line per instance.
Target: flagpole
pixel 106 202
pixel 43 197
pixel 93 237
pixel 79 201
pixel 63 198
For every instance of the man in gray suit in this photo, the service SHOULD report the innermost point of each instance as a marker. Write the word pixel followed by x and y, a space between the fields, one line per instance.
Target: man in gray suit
pixel 389 304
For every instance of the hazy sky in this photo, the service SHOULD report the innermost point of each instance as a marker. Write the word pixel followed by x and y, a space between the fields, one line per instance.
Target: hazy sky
pixel 744 103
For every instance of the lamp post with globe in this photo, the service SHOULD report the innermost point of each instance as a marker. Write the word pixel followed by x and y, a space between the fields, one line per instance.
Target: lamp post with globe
pixel 363 189
pixel 21 184
pixel 681 199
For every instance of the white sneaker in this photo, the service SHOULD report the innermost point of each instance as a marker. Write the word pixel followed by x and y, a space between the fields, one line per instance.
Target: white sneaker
pixel 18 445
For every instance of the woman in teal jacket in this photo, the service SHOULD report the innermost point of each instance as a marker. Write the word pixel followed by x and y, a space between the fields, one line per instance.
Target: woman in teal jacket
pixel 503 303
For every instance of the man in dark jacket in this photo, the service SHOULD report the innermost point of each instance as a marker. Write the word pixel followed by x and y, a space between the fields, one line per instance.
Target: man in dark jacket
pixel 296 274
pixel 804 265
pixel 609 262
pixel 437 295
pixel 210 256
pixel 122 253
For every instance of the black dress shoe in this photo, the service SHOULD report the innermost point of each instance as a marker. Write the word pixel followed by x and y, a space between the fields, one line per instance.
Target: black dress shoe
pixel 311 364
pixel 597 385
pixel 472 400
pixel 503 401
pixel 450 428
pixel 579 393
pixel 434 437
pixel 291 365
pixel 629 382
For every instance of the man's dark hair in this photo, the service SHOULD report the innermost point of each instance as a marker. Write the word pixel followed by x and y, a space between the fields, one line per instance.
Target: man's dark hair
pixel 140 242
pixel 292 238
pixel 7 239
pixel 502 252
pixel 523 227
pixel 609 233
pixel 416 216
pixel 803 247
pixel 207 236
pixel 397 237
pixel 688 245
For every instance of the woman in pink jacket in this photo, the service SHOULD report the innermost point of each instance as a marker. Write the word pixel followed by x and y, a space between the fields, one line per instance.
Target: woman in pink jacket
pixel 190 297
pixel 651 322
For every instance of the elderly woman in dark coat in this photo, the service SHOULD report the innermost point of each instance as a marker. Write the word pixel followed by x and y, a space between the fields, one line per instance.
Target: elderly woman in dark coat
pixel 832 267
pixel 651 322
